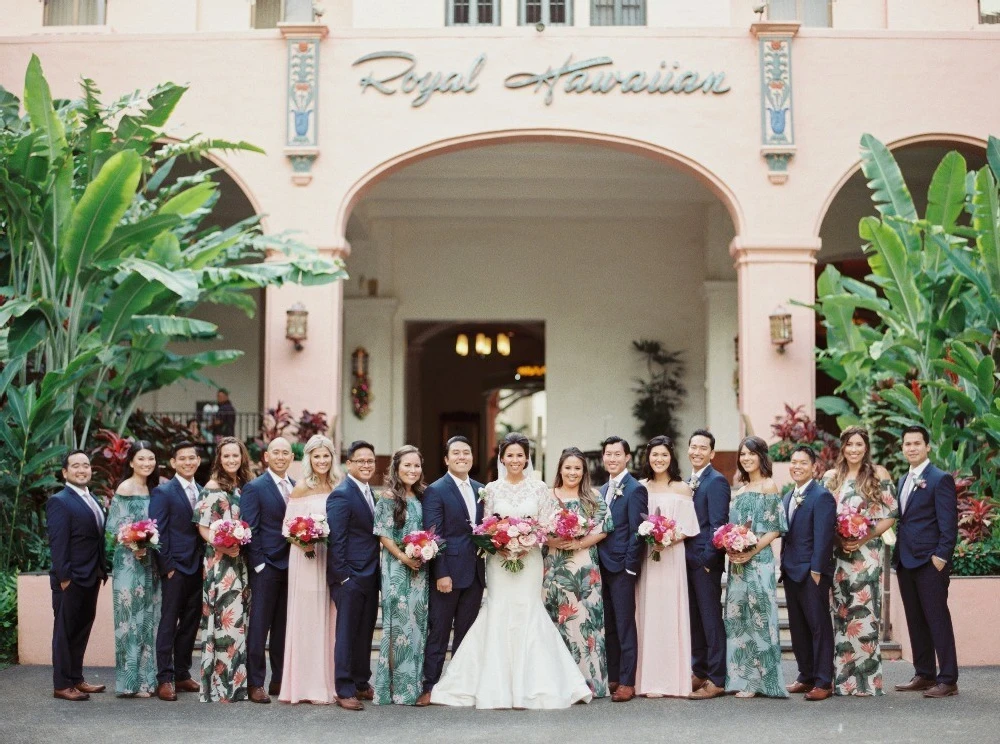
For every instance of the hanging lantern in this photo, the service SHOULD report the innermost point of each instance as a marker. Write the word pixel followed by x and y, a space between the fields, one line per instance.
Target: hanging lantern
pixel 781 327
pixel 462 345
pixel 297 325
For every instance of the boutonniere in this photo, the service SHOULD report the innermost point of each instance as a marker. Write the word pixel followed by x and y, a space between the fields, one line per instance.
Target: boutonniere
pixel 617 492
pixel 920 483
pixel 799 498
pixel 482 495
pixel 694 483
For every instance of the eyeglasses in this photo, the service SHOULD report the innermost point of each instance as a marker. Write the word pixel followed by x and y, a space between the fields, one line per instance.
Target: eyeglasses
pixel 363 462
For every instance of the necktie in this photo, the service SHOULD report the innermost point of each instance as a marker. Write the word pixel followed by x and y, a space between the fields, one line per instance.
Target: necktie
pixel 191 494
pixel 285 489
pixel 470 502
pixel 98 514
pixel 907 490
pixel 368 498
pixel 610 495
pixel 793 504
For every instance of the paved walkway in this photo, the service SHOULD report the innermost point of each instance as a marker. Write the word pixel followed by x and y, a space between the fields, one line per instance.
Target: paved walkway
pixel 28 713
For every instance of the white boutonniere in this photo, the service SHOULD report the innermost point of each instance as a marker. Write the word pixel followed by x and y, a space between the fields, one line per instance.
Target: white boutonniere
pixel 799 498
pixel 617 492
pixel 482 495
pixel 694 483
pixel 920 483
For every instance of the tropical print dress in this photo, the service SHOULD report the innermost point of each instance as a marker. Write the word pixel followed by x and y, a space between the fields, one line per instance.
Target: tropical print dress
pixel 136 599
pixel 225 605
pixel 753 647
pixel 571 590
pixel 857 600
pixel 405 593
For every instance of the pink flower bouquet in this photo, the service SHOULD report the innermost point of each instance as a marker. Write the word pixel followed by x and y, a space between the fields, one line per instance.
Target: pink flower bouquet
pixel 229 533
pixel 735 538
pixel 657 530
pixel 508 537
pixel 422 545
pixel 852 525
pixel 568 525
pixel 138 536
pixel 306 531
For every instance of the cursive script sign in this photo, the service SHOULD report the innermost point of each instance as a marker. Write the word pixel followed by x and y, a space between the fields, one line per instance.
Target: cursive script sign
pixel 423 85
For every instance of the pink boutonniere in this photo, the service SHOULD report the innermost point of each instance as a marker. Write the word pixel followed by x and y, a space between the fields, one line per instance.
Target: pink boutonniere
pixel 920 483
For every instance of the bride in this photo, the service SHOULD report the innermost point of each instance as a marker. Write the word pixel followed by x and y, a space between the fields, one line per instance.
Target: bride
pixel 513 656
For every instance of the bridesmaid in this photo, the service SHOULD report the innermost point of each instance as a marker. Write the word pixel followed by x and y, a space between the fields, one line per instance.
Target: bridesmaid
pixel 134 579
pixel 662 613
pixel 857 482
pixel 753 648
pixel 571 587
pixel 307 675
pixel 405 591
pixel 225 591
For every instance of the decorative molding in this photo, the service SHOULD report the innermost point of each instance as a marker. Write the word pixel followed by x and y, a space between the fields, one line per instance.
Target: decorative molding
pixel 302 106
pixel 302 159
pixel 777 121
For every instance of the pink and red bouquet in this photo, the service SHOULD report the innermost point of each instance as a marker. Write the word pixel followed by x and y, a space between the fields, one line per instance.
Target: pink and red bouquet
pixel 569 525
pixel 735 538
pixel 657 530
pixel 508 537
pixel 229 533
pixel 422 545
pixel 852 525
pixel 138 536
pixel 306 531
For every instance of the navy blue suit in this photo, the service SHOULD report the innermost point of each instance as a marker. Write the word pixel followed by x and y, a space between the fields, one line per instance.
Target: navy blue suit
pixel 76 541
pixel 182 551
pixel 928 526
pixel 445 512
pixel 620 555
pixel 807 548
pixel 705 564
pixel 352 571
pixel 263 507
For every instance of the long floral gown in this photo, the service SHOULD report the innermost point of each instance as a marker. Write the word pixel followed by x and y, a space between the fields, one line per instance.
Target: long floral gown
pixel 225 605
pixel 857 600
pixel 571 589
pixel 405 593
pixel 753 647
pixel 137 601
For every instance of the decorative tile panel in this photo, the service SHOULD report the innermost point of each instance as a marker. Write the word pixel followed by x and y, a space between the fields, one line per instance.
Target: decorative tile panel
pixel 302 98
pixel 777 119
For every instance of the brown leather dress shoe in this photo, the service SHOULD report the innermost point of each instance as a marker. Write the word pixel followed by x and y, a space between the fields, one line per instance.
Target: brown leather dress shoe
pixel 351 703
pixel 697 682
pixel 623 694
pixel 917 684
pixel 366 694
pixel 166 692
pixel 708 691
pixel 424 700
pixel 70 693
pixel 941 690
pixel 612 686
pixel 819 693
pixel 257 695
pixel 274 688
pixel 187 685
pixel 798 687
pixel 89 688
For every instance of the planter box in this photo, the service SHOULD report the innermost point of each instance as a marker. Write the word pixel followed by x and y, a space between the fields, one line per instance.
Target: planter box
pixel 974 602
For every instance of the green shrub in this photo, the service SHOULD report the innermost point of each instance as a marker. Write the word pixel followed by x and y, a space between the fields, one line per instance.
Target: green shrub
pixel 977 558
pixel 8 618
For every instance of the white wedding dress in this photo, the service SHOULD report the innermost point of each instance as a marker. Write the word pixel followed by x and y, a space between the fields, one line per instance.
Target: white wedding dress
pixel 513 656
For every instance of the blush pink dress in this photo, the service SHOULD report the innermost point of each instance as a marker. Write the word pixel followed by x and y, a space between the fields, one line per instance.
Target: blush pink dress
pixel 308 667
pixel 661 608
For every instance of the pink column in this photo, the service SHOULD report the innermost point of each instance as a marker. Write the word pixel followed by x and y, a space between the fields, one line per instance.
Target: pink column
pixel 773 272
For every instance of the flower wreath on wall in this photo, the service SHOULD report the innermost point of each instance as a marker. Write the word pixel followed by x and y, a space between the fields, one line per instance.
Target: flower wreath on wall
pixel 361 396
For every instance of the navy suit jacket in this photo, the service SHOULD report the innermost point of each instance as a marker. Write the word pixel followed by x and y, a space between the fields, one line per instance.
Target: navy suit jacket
pixel 353 551
pixel 75 539
pixel 263 508
pixel 929 526
pixel 445 512
pixel 711 504
pixel 808 544
pixel 622 549
pixel 181 546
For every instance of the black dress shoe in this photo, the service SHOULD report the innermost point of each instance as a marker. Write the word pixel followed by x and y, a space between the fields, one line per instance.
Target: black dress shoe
pixel 274 688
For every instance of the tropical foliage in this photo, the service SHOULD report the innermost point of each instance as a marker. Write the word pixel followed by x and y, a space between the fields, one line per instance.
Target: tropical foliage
pixel 660 397
pixel 795 427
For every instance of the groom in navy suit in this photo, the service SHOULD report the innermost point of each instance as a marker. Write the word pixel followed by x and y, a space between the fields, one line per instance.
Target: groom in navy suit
pixel 928 531
pixel 620 556
pixel 705 564
pixel 451 508
pixel 352 571
pixel 263 503
pixel 807 573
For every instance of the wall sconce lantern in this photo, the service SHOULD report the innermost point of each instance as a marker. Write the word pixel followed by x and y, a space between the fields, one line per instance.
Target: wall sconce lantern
pixel 484 344
pixel 462 345
pixel 297 325
pixel 781 327
pixel 503 344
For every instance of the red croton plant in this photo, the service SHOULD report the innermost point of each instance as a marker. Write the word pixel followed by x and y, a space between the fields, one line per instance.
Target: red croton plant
pixel 974 515
pixel 108 460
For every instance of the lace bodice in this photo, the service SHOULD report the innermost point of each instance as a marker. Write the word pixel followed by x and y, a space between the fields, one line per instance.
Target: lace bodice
pixel 529 498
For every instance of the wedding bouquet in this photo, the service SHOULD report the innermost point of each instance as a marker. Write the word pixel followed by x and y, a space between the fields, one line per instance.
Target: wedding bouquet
pixel 138 536
pixel 422 545
pixel 657 530
pixel 568 525
pixel 508 537
pixel 306 531
pixel 229 533
pixel 735 538
pixel 852 525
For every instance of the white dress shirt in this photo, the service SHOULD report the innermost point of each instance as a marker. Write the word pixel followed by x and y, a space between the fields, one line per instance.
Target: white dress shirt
pixel 465 488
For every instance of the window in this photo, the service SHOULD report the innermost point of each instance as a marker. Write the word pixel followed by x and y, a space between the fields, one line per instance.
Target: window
pixel 989 11
pixel 74 12
pixel 618 13
pixel 549 12
pixel 809 12
pixel 473 13
pixel 267 13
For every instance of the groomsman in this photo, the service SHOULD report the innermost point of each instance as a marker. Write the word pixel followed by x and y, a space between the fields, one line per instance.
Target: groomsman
pixel 179 560
pixel 76 539
pixel 704 568
pixel 451 509
pixel 807 573
pixel 263 503
pixel 928 531
pixel 353 575
pixel 620 556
